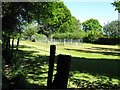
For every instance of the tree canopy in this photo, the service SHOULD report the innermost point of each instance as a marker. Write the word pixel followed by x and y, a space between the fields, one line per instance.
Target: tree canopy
pixel 76 24
pixel 49 15
pixel 111 30
pixel 30 29
pixel 117 5
pixel 58 17
pixel 93 28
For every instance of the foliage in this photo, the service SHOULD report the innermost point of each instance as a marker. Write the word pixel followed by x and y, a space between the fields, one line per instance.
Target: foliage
pixel 93 35
pixel 108 41
pixel 40 37
pixel 73 25
pixel 117 5
pixel 57 16
pixel 91 24
pixel 93 29
pixel 9 19
pixel 73 35
pixel 12 21
pixel 76 24
pixel 111 30
pixel 13 15
pixel 50 16
pixel 30 29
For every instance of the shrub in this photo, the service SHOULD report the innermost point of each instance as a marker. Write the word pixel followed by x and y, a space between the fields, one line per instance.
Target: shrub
pixel 108 41
pixel 40 37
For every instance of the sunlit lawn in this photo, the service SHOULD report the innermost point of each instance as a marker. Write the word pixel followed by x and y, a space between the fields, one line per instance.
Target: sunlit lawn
pixel 86 50
pixel 89 62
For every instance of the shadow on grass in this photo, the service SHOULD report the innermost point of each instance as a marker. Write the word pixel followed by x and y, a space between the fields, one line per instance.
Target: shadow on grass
pixel 106 67
pixel 110 49
pixel 103 71
pixel 30 71
pixel 23 46
pixel 104 53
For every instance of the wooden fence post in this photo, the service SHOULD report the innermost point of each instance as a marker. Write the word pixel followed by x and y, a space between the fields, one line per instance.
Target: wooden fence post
pixel 51 65
pixel 63 67
pixel 8 43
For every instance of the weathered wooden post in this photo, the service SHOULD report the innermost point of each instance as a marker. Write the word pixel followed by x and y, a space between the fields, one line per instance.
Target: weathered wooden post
pixel 17 43
pixel 63 67
pixel 12 43
pixel 51 65
pixel 8 43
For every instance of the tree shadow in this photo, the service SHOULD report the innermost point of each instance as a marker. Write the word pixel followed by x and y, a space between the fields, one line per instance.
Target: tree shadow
pixel 82 70
pixel 23 46
pixel 100 52
pixel 27 69
pixel 32 70
pixel 110 49
pixel 108 67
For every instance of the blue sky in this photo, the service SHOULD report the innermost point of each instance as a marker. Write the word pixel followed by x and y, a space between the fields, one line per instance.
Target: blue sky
pixel 83 10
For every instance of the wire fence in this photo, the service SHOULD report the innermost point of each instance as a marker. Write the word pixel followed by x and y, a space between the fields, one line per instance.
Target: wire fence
pixel 61 41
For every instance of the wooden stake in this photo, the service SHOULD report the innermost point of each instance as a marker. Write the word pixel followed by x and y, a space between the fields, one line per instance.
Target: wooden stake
pixel 51 65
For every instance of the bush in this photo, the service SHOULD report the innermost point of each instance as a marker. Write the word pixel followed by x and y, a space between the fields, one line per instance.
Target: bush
pixel 74 35
pixel 40 37
pixel 108 41
pixel 105 41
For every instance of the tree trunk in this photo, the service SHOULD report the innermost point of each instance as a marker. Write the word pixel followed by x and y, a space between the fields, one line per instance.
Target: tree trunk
pixel 48 38
pixel 4 41
pixel 12 43
pixel 30 38
pixel 17 43
pixel 8 43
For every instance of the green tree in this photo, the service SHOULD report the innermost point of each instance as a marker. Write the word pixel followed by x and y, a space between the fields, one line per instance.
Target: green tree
pixel 111 30
pixel 58 18
pixel 30 29
pixel 93 28
pixel 68 35
pixel 117 5
pixel 76 24
pixel 10 21
pixel 66 27
pixel 72 25
pixel 15 14
pixel 51 16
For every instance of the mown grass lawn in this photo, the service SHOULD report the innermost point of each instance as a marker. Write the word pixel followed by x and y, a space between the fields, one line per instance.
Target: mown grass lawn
pixel 90 63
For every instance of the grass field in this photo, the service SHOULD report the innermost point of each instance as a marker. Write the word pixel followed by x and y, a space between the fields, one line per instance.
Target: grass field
pixel 90 63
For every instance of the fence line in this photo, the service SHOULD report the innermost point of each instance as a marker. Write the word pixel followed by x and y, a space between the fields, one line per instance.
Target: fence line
pixel 61 41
